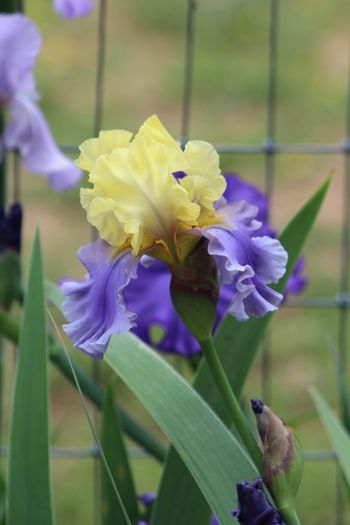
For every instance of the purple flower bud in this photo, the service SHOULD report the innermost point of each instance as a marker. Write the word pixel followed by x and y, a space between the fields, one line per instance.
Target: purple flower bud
pixel 147 499
pixel 10 229
pixel 282 462
pixel 73 8
pixel 253 505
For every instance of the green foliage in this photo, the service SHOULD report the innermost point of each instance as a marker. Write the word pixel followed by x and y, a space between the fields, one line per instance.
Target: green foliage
pixel 211 453
pixel 237 344
pixel 337 433
pixel 116 455
pixel 29 488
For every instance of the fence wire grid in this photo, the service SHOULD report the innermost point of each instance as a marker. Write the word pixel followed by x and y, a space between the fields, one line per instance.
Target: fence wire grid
pixel 269 149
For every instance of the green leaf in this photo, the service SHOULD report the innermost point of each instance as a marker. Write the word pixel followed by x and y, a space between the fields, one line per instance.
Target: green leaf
pixel 337 433
pixel 29 492
pixel 179 499
pixel 210 451
pixel 114 449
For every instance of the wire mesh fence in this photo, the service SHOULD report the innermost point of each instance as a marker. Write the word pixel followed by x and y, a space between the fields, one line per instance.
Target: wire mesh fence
pixel 270 149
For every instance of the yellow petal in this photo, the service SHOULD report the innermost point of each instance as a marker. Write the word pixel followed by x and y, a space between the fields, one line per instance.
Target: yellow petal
pixel 204 182
pixel 107 141
pixel 154 131
pixel 142 194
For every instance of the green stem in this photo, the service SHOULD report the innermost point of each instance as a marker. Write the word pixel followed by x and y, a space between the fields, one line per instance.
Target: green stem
pixel 9 328
pixel 230 400
pixel 289 515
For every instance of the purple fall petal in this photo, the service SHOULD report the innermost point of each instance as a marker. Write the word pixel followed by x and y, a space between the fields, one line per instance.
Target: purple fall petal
pixel 94 308
pixel 73 8
pixel 248 264
pixel 148 296
pixel 19 45
pixel 254 507
pixel 28 131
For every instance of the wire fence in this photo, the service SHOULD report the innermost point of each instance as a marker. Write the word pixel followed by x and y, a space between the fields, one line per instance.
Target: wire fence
pixel 270 148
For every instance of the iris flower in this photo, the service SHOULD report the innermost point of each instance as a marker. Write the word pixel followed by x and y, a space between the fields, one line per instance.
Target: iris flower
pixel 152 283
pixel 27 129
pixel 73 8
pixel 151 200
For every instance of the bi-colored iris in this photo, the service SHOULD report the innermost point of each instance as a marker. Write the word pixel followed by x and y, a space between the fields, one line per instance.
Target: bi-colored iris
pixel 149 199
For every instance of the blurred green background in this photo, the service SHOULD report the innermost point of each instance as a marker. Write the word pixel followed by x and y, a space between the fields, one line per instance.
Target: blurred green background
pixel 145 75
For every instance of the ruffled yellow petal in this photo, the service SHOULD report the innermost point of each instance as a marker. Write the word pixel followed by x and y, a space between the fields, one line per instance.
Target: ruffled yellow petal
pixel 107 141
pixel 204 182
pixel 141 195
pixel 153 131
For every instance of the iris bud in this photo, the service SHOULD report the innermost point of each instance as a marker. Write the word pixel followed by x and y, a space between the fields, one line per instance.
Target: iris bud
pixel 282 463
pixel 194 290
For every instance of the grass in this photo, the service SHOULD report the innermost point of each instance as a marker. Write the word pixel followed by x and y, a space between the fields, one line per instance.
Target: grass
pixel 144 74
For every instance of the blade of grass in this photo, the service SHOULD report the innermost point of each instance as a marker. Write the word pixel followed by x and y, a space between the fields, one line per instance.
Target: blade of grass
pixel 337 433
pixel 115 451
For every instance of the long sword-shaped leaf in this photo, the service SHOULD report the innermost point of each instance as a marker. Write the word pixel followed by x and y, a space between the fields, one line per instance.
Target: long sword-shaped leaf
pixel 179 499
pixel 209 450
pixel 113 446
pixel 29 492
pixel 337 433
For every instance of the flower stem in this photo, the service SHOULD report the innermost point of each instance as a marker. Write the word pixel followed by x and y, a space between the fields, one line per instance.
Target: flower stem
pixel 289 515
pixel 230 400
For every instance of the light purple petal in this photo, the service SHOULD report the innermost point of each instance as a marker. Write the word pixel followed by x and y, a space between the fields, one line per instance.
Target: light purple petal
pixel 249 264
pixel 297 281
pixel 95 307
pixel 149 297
pixel 28 131
pixel 73 8
pixel 147 499
pixel 19 45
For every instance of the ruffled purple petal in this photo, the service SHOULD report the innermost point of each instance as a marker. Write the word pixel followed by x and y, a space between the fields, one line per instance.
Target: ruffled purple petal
pixel 10 229
pixel 95 308
pixel 73 8
pixel 248 264
pixel 19 45
pixel 28 131
pixel 254 507
pixel 148 296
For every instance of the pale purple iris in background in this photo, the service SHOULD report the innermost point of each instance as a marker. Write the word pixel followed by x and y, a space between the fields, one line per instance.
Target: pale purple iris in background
pixel 27 130
pixel 253 506
pixel 148 295
pixel 73 8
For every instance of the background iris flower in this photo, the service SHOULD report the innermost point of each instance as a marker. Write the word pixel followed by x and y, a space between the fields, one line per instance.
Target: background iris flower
pixel 27 129
pixel 139 208
pixel 73 8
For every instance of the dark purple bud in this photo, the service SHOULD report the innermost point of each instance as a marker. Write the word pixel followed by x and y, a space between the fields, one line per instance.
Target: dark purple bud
pixel 253 505
pixel 10 229
pixel 257 406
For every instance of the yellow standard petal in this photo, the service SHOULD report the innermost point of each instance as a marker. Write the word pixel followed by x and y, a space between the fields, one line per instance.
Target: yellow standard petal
pixel 204 180
pixel 107 141
pixel 134 189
